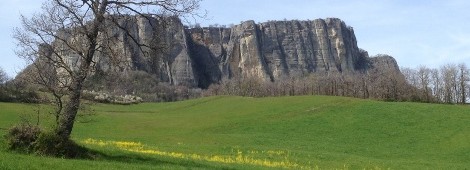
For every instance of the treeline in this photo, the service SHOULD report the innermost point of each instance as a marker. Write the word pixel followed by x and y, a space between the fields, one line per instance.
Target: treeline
pixel 449 84
pixel 446 84
pixel 377 84
pixel 11 91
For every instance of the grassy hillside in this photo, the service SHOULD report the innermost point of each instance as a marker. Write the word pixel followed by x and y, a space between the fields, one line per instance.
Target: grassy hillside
pixel 284 132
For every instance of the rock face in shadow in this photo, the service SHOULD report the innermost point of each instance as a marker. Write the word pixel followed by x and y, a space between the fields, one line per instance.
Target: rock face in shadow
pixel 267 51
pixel 383 62
pixel 169 57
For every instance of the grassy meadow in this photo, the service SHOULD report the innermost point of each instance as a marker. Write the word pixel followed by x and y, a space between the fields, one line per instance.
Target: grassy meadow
pixel 226 132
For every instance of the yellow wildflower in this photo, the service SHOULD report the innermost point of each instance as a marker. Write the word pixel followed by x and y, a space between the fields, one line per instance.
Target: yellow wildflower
pixel 239 158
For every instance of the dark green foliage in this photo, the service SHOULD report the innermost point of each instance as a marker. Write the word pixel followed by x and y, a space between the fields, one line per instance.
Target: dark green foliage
pixel 20 96
pixel 22 137
pixel 50 144
pixel 27 138
pixel 10 92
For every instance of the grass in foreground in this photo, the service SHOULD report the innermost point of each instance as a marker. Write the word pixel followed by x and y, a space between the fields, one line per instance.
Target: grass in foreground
pixel 284 132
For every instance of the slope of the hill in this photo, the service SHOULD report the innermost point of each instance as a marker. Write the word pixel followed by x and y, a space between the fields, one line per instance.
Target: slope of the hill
pixel 282 132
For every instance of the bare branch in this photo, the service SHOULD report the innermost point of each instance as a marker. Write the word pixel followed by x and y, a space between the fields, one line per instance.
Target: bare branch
pixel 69 38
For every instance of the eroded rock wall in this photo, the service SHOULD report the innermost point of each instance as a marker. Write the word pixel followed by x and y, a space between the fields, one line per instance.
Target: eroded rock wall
pixel 268 51
pixel 278 49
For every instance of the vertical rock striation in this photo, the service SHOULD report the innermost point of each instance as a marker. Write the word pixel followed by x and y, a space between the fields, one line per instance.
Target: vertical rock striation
pixel 168 59
pixel 277 49
pixel 269 51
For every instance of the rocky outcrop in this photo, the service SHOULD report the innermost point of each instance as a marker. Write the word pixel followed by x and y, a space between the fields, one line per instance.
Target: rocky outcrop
pixel 168 57
pixel 384 62
pixel 275 49
pixel 268 51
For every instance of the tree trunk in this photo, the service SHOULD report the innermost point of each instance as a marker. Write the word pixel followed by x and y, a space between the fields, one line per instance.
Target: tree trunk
pixel 68 117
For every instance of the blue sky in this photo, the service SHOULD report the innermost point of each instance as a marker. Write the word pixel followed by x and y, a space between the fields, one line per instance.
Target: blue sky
pixel 415 32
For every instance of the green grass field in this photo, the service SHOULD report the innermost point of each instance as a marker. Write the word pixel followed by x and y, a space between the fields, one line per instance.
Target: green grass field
pixel 307 132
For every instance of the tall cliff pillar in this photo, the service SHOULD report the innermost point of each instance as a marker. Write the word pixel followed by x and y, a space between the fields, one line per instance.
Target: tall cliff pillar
pixel 251 62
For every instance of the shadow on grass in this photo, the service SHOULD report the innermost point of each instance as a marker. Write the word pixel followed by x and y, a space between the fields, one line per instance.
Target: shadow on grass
pixel 79 152
pixel 132 158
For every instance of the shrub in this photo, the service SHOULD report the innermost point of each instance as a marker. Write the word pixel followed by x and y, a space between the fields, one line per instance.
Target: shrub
pixel 22 137
pixel 50 144
pixel 27 138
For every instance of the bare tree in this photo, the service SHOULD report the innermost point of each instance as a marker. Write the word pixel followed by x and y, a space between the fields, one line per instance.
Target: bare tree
pixel 449 75
pixel 68 35
pixel 468 88
pixel 411 77
pixel 436 85
pixel 424 75
pixel 463 82
pixel 3 76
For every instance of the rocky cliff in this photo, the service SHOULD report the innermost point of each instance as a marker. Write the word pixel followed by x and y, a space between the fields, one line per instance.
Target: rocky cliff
pixel 269 51
pixel 277 49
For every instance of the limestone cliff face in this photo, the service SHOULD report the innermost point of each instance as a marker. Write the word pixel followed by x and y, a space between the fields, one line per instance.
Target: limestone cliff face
pixel 277 49
pixel 169 59
pixel 268 51
pixel 383 62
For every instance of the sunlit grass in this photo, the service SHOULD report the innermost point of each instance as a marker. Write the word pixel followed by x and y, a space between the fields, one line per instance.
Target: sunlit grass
pixel 238 158
pixel 225 132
